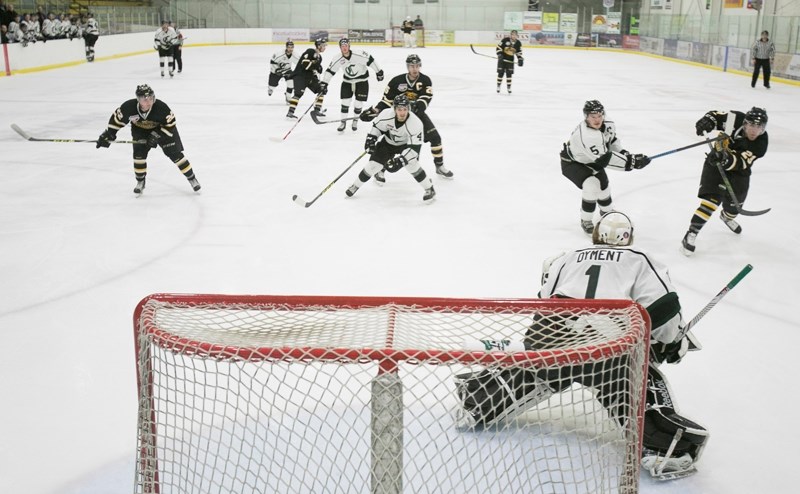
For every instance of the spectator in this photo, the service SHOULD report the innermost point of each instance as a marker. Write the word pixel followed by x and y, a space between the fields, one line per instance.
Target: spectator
pixel 418 23
pixel 3 34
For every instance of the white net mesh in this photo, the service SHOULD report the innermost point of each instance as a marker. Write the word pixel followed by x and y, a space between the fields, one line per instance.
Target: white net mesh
pixel 364 395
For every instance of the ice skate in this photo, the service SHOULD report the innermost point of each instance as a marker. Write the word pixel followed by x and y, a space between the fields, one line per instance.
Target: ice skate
pixel 661 467
pixel 350 192
pixel 588 226
pixel 269 91
pixel 354 125
pixel 443 171
pixel 687 244
pixel 429 196
pixel 508 89
pixel 342 126
pixel 380 178
pixel 319 112
pixel 195 184
pixel 732 223
pixel 171 73
pixel 498 89
pixel 162 73
pixel 139 187
pixel 291 113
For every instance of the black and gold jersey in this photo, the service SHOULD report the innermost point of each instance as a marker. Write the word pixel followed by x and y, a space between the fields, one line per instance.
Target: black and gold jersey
pixel 506 50
pixel 310 64
pixel 159 118
pixel 419 90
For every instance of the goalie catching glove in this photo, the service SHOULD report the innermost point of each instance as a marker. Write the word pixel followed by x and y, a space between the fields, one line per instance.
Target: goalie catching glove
pixel 396 163
pixel 106 138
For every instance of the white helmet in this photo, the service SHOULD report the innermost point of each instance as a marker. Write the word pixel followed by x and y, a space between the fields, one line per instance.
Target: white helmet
pixel 614 228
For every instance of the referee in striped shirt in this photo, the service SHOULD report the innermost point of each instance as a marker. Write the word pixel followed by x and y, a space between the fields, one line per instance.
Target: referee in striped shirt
pixel 763 54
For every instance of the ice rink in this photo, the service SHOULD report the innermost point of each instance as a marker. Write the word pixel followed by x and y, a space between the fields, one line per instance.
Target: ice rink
pixel 79 249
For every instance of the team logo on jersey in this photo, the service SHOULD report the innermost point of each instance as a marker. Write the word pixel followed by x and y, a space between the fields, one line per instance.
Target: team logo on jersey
pixel 402 87
pixel 133 118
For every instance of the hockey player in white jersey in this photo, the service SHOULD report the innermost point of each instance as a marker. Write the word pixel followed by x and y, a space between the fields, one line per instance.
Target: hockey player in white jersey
pixel 591 148
pixel 609 269
pixel 280 67
pixel 91 32
pixel 164 40
pixel 355 81
pixel 393 143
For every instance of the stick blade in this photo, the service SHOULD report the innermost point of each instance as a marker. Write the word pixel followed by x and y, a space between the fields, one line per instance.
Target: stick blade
pixel 21 132
pixel 276 139
pixel 316 119
pixel 745 212
pixel 300 202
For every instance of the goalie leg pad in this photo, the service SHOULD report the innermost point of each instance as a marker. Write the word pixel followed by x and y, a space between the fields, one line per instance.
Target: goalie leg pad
pixel 672 443
pixel 493 394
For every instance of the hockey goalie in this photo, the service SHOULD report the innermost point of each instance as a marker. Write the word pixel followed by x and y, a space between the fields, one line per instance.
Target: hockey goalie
pixel 672 443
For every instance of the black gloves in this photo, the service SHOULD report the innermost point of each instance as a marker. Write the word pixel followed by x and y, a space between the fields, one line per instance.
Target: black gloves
pixel 637 162
pixel 106 138
pixel 323 88
pixel 370 143
pixel 368 115
pixel 152 139
pixel 600 162
pixel 396 163
pixel 705 124
pixel 671 353
pixel 379 75
pixel 520 60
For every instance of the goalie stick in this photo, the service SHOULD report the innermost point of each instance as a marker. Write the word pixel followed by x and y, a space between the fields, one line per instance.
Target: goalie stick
pixel 317 121
pixel 728 187
pixel 480 54
pixel 28 137
pixel 301 202
pixel 735 281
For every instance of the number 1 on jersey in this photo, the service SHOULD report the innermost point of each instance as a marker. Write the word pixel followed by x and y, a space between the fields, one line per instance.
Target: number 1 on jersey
pixel 594 276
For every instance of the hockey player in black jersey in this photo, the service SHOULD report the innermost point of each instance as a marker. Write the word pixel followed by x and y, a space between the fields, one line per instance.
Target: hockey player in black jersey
pixel 419 90
pixel 508 47
pixel 748 141
pixel 306 75
pixel 152 121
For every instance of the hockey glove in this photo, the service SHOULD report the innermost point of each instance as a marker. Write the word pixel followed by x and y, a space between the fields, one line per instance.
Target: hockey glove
pixel 152 139
pixel 396 163
pixel 105 139
pixel 722 156
pixel 520 61
pixel 368 115
pixel 671 353
pixel 637 161
pixel 705 124
pixel 323 88
pixel 600 162
pixel 379 75
pixel 370 143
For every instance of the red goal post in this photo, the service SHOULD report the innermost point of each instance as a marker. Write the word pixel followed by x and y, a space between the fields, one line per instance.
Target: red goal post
pixel 398 41
pixel 296 393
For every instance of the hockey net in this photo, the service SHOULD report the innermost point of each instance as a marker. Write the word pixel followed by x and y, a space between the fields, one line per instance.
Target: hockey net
pixel 336 394
pixel 417 36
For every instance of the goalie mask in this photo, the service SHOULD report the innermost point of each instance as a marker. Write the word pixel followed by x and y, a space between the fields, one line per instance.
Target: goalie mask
pixel 614 228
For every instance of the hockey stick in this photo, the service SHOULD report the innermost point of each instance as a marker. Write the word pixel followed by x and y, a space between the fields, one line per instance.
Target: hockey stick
pixel 729 189
pixel 28 137
pixel 317 121
pixel 299 200
pixel 665 153
pixel 480 54
pixel 281 139
pixel 735 281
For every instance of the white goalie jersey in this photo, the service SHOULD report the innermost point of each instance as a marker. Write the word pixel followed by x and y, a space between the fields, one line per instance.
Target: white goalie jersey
pixel 606 272
pixel 355 68
pixel 586 145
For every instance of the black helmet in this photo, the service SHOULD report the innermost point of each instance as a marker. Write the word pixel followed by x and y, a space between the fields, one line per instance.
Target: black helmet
pixel 144 90
pixel 320 42
pixel 593 106
pixel 413 59
pixel 344 41
pixel 290 44
pixel 401 100
pixel 756 116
